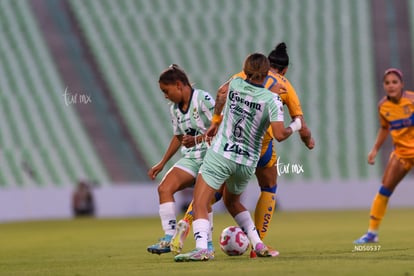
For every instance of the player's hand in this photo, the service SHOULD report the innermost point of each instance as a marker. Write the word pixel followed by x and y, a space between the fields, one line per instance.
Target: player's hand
pixel 211 132
pixel 189 141
pixel 208 139
pixel 306 136
pixel 371 156
pixel 310 143
pixel 154 171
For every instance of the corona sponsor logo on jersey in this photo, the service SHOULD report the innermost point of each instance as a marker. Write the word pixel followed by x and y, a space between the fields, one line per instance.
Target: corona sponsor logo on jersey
pixel 235 97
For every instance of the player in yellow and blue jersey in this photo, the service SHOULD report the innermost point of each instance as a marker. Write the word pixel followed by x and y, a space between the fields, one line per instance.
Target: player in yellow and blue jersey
pixel 396 116
pixel 266 171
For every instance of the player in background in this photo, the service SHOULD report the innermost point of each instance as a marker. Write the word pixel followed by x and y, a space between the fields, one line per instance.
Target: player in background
pixel 191 113
pixel 266 171
pixel 233 155
pixel 396 116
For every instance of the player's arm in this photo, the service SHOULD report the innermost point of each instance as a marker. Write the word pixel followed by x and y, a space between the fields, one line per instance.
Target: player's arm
pixel 220 102
pixel 190 141
pixel 379 141
pixel 207 105
pixel 281 133
pixel 221 98
pixel 305 133
pixel 174 146
pixel 295 110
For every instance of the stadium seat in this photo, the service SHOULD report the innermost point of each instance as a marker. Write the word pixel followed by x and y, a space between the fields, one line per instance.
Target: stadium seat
pixel 43 134
pixel 134 40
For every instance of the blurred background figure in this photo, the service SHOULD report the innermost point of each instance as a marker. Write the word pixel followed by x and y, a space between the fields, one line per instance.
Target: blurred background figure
pixel 396 116
pixel 82 200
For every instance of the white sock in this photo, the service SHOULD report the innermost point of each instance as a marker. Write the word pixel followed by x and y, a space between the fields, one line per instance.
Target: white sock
pixel 168 219
pixel 210 233
pixel 244 220
pixel 201 228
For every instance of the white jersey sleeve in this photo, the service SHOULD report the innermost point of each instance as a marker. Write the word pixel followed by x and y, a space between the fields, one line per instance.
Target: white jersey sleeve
pixel 276 109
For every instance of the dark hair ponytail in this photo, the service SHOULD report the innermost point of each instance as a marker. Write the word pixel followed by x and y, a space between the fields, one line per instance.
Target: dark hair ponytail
pixel 172 74
pixel 278 57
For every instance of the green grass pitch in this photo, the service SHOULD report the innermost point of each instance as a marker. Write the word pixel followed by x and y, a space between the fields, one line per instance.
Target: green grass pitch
pixel 310 243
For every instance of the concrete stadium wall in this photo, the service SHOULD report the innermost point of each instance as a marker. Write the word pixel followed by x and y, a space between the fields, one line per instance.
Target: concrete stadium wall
pixel 129 200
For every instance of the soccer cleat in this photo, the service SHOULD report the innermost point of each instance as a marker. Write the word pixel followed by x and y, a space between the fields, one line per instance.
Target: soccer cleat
pixel 210 248
pixel 262 250
pixel 163 246
pixel 272 252
pixel 252 254
pixel 181 233
pixel 197 254
pixel 369 237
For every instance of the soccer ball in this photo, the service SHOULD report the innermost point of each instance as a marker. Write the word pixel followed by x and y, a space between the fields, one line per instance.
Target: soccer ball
pixel 233 241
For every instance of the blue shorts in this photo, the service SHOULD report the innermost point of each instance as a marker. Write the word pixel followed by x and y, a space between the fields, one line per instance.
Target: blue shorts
pixel 267 156
pixel 216 170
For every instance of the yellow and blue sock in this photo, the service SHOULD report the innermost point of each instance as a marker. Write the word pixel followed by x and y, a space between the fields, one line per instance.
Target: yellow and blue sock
pixel 189 217
pixel 378 208
pixel 265 208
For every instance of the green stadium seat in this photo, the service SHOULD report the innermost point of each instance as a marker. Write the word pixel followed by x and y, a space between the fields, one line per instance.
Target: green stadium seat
pixel 134 40
pixel 37 121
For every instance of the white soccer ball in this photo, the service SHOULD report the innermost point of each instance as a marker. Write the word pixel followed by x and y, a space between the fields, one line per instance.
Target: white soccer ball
pixel 233 241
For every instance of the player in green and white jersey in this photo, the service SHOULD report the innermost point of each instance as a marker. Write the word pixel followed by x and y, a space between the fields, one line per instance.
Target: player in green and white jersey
pixel 235 151
pixel 245 120
pixel 191 113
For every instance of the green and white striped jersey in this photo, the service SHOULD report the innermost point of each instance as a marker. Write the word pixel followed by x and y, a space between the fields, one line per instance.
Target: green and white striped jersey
pixel 195 121
pixel 247 114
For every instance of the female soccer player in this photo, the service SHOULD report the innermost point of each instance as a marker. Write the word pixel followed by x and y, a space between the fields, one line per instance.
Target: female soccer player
pixel 396 116
pixel 191 114
pixel 235 151
pixel 266 171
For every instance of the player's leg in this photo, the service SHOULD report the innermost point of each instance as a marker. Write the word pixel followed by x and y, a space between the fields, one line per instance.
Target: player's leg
pixel 188 216
pixel 233 189
pixel 212 174
pixel 266 173
pixel 177 178
pixel 395 171
pixel 203 194
pixel 266 204
pixel 183 227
